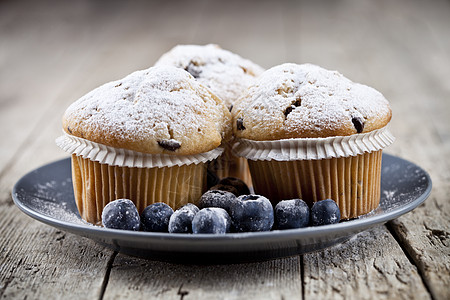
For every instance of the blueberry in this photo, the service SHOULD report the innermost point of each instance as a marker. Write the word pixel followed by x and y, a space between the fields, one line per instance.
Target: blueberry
pixel 227 188
pixel 211 220
pixel 292 213
pixel 252 213
pixel 240 185
pixel 181 219
pixel 325 212
pixel 217 198
pixel 155 217
pixel 211 178
pixel 121 214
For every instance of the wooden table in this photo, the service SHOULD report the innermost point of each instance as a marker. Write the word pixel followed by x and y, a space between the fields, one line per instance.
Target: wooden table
pixel 53 52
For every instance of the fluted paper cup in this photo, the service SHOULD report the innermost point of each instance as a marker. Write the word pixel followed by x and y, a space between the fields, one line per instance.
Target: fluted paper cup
pixel 230 165
pixel 102 174
pixel 346 169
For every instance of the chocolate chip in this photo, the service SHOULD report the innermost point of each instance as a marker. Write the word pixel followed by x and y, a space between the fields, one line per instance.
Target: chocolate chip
pixel 240 124
pixel 358 123
pixel 296 103
pixel 170 145
pixel 288 111
pixel 244 69
pixel 231 107
pixel 193 69
pixel 68 129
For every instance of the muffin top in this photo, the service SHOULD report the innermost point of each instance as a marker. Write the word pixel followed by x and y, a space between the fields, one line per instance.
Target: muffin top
pixel 158 110
pixel 225 73
pixel 307 101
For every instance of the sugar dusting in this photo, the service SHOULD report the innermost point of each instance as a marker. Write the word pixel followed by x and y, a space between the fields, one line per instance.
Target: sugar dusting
pixel 160 103
pixel 225 73
pixel 404 184
pixel 309 99
pixel 57 211
pixel 214 217
pixel 46 200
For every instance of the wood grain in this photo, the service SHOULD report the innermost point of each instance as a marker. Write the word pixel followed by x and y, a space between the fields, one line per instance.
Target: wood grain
pixel 52 52
pixel 369 266
pixel 136 278
pixel 47 263
pixel 425 232
pixel 404 52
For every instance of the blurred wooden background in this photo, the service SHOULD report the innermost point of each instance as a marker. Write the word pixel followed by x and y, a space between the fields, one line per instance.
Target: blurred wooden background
pixel 53 52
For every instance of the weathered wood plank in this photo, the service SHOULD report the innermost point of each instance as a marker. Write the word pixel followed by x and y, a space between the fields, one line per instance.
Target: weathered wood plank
pixel 139 279
pixel 89 65
pixel 425 233
pixel 40 61
pixel 39 262
pixel 369 266
pixel 34 260
pixel 429 248
pixel 402 50
pixel 32 63
pixel 254 30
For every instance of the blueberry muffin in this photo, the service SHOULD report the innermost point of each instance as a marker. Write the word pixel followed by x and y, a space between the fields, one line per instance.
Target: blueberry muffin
pixel 227 75
pixel 146 137
pixel 313 134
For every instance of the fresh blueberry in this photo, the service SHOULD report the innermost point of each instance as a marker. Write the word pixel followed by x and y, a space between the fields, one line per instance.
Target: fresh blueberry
pixel 325 212
pixel 240 185
pixel 252 213
pixel 121 214
pixel 227 188
pixel 292 213
pixel 217 198
pixel 211 220
pixel 181 220
pixel 155 217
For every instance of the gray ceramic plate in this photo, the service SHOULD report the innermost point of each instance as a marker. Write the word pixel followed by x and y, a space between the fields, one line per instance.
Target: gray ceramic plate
pixel 46 194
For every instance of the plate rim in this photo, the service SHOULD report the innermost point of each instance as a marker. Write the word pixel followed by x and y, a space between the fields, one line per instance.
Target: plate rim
pixel 273 235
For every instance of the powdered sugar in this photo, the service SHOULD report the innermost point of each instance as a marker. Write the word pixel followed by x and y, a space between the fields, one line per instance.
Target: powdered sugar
pixel 212 220
pixel 57 211
pixel 50 199
pixel 225 73
pixel 309 101
pixel 160 103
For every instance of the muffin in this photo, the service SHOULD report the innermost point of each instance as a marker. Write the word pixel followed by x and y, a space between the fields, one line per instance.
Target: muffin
pixel 313 134
pixel 147 137
pixel 227 75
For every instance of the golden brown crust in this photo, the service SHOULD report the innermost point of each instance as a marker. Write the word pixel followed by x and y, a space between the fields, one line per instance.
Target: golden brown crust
pixel 306 101
pixel 159 110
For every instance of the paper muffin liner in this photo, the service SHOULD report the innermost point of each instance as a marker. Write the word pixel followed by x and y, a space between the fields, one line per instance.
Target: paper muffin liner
pixel 230 165
pixel 96 184
pixel 128 158
pixel 314 148
pixel 345 169
pixel 353 182
pixel 101 174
